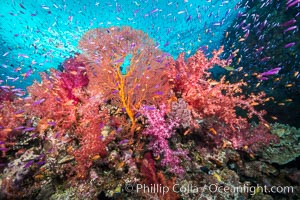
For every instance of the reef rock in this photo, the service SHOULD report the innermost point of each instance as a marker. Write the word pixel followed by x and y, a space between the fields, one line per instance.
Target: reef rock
pixel 288 148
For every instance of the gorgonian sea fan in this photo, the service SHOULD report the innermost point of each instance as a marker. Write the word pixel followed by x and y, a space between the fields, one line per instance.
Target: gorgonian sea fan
pixel 124 65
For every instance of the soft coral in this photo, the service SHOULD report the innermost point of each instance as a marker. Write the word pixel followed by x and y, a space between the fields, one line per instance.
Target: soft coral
pixel 160 130
pixel 73 76
pixel 216 102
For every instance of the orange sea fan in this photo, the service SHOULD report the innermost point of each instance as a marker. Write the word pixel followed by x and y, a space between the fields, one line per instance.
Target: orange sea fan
pixel 124 65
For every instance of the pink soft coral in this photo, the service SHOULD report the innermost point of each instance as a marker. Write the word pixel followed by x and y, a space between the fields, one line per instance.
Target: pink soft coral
pixel 161 131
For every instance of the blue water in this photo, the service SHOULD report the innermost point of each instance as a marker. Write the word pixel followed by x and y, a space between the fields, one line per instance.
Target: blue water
pixel 39 35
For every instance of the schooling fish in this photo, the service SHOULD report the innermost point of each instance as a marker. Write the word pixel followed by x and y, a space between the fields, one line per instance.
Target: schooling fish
pixel 19 128
pixel 271 72
pixel 265 59
pixel 5 54
pixel 29 129
pixel 189 18
pixel 39 101
pixel 28 164
pixel 22 55
pixel 123 142
pixel 289 45
pixel 290 22
pixel 27 73
pixel 290 29
pixel 293 3
pixel 3 149
pixel 22 6
pixel 149 107
pixel 52 123
pixel 229 68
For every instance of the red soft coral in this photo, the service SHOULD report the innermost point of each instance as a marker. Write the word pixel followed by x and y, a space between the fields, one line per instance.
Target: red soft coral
pixel 48 100
pixel 73 76
pixel 88 131
pixel 11 122
pixel 215 102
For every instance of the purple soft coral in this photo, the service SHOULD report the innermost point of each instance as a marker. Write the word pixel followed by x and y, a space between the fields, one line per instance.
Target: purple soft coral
pixel 161 130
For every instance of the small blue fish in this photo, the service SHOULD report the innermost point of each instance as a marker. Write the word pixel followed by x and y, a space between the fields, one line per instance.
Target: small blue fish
pixel 289 45
pixel 149 107
pixel 3 149
pixel 159 93
pixel 19 128
pixel 29 129
pixel 38 101
pixel 28 164
pixel 189 18
pixel 57 135
pixel 52 123
pixel 40 163
pixel 22 6
pixel 123 142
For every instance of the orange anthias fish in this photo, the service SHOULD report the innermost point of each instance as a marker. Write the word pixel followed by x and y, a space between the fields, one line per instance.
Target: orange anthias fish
pixel 213 131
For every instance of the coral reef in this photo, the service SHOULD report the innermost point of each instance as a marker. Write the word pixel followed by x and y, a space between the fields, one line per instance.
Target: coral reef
pixel 121 115
pixel 17 171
